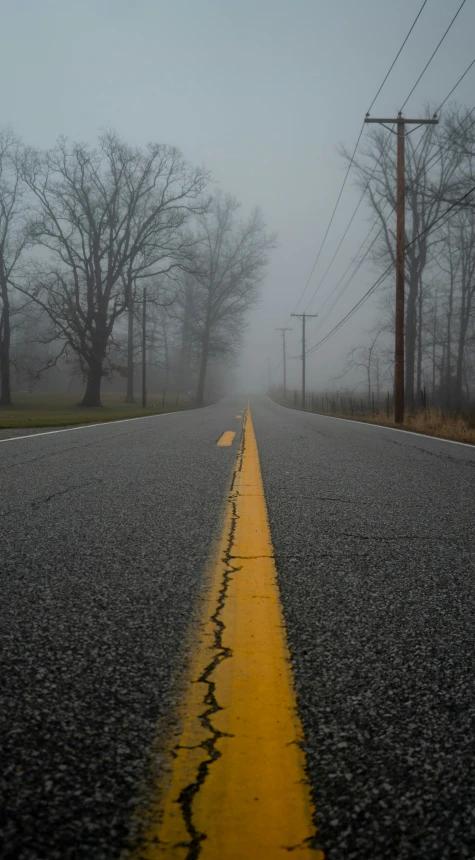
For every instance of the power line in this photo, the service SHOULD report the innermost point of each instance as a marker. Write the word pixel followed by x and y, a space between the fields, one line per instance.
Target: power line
pixel 438 157
pixel 382 152
pixel 331 218
pixel 433 54
pixel 397 56
pixel 446 100
pixel 436 220
pixel 348 225
pixel 386 272
pixel 345 287
pixel 352 159
pixel 455 86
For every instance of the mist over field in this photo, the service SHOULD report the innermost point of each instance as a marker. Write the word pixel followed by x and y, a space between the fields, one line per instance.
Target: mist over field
pixel 255 109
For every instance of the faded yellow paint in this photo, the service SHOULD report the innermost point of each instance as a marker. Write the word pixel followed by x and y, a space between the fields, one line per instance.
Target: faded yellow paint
pixel 226 439
pixel 237 788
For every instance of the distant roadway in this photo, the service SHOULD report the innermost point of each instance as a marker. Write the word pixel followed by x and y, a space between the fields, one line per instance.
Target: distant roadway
pixel 106 538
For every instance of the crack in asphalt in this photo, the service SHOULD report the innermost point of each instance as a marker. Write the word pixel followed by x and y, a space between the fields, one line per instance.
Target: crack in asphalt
pixel 399 537
pixel 42 501
pixel 438 455
pixel 210 702
pixel 95 443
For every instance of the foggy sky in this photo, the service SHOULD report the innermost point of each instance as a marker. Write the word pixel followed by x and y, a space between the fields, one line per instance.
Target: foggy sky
pixel 261 92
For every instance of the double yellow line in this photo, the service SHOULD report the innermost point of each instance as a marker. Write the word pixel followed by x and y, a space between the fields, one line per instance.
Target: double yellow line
pixel 236 787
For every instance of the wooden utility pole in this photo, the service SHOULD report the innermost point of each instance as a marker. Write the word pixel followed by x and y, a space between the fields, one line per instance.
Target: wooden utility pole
pixel 129 398
pixel 144 350
pixel 303 317
pixel 400 122
pixel 283 330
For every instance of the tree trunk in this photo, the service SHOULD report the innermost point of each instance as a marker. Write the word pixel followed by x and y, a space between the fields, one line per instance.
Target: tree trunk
pixel 442 377
pixel 5 384
pixel 460 363
pixel 200 394
pixel 92 395
pixel 129 397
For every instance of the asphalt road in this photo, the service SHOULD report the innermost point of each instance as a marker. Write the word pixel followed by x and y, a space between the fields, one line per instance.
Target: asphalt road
pixel 105 534
pixel 374 535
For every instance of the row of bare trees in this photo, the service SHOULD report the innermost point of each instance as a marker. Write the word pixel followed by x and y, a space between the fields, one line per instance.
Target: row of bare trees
pixel 84 229
pixel 440 261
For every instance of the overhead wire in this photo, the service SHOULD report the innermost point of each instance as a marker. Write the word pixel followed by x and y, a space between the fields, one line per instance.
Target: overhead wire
pixel 352 159
pixel 381 278
pixel 381 155
pixel 397 55
pixel 438 156
pixel 433 54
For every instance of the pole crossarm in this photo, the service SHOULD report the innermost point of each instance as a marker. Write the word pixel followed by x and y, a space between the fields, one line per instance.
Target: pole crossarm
pixel 403 120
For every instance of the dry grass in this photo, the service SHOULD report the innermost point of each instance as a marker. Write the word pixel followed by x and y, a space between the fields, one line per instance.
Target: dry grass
pixel 432 422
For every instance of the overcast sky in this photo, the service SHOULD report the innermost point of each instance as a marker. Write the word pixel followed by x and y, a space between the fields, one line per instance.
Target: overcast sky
pixel 261 92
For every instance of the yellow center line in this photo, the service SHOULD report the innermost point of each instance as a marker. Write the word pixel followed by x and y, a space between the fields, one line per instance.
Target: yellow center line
pixel 236 786
pixel 226 439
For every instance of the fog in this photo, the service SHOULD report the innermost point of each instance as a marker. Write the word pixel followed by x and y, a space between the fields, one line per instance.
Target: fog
pixel 262 94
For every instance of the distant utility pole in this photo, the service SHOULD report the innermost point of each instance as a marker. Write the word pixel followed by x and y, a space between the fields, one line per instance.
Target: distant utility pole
pixel 401 122
pixel 129 398
pixel 144 350
pixel 283 330
pixel 303 317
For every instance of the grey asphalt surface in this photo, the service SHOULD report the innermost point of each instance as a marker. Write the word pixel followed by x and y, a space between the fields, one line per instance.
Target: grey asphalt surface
pixel 374 536
pixel 105 533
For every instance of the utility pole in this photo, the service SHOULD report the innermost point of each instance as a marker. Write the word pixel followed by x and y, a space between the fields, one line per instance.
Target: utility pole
pixel 144 351
pixel 283 330
pixel 303 317
pixel 129 398
pixel 400 122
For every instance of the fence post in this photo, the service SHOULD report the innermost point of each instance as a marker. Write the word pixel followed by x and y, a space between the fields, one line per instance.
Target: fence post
pixel 387 405
pixel 374 413
pixel 362 409
pixel 351 405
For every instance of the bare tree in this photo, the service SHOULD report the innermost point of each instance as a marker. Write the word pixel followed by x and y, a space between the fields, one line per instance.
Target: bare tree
pixel 105 218
pixel 230 263
pixel 432 175
pixel 13 239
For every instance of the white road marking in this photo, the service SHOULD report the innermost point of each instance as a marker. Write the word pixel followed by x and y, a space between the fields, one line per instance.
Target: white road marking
pixel 379 426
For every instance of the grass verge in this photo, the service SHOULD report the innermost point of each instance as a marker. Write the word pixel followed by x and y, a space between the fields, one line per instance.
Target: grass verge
pixel 432 422
pixel 60 410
